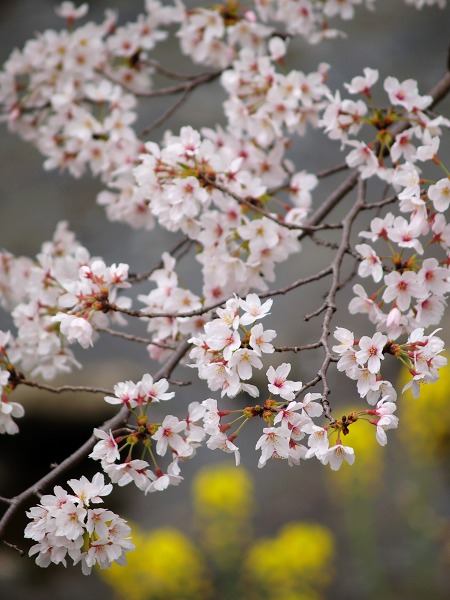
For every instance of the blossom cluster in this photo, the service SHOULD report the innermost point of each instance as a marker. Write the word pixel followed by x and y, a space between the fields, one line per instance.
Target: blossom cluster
pixel 225 356
pixel 68 525
pixel 8 409
pixel 225 361
pixel 57 300
pixel 222 357
pixel 421 353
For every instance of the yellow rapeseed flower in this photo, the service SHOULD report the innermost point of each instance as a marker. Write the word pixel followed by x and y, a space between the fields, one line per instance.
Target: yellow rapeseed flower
pixel 166 565
pixel 293 565
pixel 223 489
pixel 223 502
pixel 423 424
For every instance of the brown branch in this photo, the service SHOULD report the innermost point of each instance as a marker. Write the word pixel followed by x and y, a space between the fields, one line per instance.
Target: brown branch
pixel 332 170
pixel 142 314
pixel 167 114
pixel 440 90
pixel 167 72
pixel 182 87
pixel 311 346
pixel 330 300
pixel 315 313
pixel 14 547
pixel 133 338
pixel 64 388
pixel 298 283
pixel 257 209
pixel 372 205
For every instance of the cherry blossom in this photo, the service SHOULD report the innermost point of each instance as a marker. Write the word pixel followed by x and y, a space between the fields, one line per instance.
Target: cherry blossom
pixel 240 200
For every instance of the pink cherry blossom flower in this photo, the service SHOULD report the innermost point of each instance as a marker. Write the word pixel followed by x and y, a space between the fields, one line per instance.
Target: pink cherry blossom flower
pixel 439 194
pixel 317 441
pixel 243 360
pixel 168 436
pixel 401 287
pixel 405 94
pixel 106 449
pixel 279 384
pixel 371 264
pixel 362 84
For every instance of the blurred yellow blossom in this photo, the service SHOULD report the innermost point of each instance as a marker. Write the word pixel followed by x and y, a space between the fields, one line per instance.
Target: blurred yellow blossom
pixel 166 565
pixel 223 504
pixel 423 425
pixel 294 565
pixel 223 488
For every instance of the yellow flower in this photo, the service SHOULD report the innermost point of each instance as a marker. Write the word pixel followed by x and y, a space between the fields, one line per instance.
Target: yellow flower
pixel 294 565
pixel 223 502
pixel 223 489
pixel 165 566
pixel 423 424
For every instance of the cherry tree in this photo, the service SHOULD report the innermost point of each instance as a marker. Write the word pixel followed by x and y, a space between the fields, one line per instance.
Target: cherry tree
pixel 238 200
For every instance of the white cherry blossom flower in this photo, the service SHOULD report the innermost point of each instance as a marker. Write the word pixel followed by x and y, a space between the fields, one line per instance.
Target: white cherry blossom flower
pixel 335 455
pixel 168 436
pixel 273 443
pixel 222 442
pixel 260 339
pixel 371 351
pixel 254 309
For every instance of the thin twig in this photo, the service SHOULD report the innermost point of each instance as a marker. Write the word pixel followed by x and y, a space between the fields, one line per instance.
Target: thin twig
pixel 167 72
pixel 206 309
pixel 167 114
pixel 372 205
pixel 14 547
pixel 133 338
pixel 332 170
pixel 298 283
pixel 149 315
pixel 135 278
pixel 64 388
pixel 315 313
pixel 182 87
pixel 330 300
pixel 179 383
pixel 311 346
pixel 276 219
